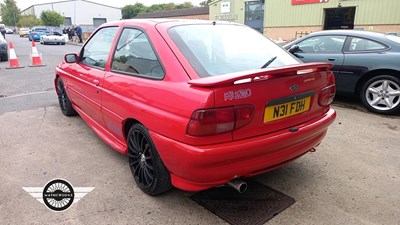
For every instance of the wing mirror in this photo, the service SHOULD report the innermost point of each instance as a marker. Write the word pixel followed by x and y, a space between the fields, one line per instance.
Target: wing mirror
pixel 71 58
pixel 294 48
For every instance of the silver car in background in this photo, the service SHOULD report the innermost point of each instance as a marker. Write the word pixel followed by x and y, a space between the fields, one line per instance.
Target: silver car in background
pixel 53 37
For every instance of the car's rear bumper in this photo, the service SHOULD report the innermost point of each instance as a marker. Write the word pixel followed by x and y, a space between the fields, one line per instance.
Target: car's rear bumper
pixel 54 41
pixel 195 168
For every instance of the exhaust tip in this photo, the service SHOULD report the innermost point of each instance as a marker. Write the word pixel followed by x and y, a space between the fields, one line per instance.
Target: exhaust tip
pixel 238 185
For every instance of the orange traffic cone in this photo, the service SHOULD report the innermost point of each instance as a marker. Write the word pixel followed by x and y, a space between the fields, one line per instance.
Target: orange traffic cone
pixel 14 64
pixel 36 58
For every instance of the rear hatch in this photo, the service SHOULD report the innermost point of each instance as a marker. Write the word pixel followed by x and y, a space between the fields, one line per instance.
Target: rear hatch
pixel 282 97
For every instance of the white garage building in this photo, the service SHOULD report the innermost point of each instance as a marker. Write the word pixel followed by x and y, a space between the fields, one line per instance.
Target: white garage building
pixel 85 13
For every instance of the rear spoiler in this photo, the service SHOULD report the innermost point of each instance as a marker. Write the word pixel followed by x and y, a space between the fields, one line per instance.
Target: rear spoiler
pixel 259 74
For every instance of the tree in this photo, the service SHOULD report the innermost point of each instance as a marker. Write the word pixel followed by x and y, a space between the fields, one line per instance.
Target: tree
pixel 29 21
pixel 9 12
pixel 185 5
pixel 52 18
pixel 130 11
pixel 168 6
pixel 205 3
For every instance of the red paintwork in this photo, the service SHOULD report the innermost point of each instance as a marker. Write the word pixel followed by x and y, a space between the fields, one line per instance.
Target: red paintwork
pixel 106 100
pixel 300 2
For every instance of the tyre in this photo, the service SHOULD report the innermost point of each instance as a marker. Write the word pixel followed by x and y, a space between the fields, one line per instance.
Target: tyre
pixel 149 172
pixel 381 94
pixel 5 57
pixel 63 100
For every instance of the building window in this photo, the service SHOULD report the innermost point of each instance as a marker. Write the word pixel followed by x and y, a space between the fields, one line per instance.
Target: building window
pixel 254 15
pixel 99 21
pixel 67 21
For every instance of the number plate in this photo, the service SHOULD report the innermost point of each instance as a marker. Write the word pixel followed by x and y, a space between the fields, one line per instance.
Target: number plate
pixel 287 109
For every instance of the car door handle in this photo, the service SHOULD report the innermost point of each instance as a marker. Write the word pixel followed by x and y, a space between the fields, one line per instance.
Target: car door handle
pixel 332 59
pixel 96 82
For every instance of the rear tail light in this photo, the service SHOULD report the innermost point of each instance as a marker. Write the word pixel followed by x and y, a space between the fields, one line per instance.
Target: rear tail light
pixel 205 122
pixel 327 95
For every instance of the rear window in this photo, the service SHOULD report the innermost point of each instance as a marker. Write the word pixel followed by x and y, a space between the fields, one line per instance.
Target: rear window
pixel 227 48
pixel 41 29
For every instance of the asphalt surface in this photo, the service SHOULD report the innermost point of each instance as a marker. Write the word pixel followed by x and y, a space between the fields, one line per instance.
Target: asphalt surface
pixel 18 87
pixel 352 178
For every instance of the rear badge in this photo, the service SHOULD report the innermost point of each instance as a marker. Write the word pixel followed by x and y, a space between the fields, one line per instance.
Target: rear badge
pixel 294 87
pixel 240 94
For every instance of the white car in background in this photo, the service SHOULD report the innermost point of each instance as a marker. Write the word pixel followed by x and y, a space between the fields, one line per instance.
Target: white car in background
pixel 9 30
pixel 53 37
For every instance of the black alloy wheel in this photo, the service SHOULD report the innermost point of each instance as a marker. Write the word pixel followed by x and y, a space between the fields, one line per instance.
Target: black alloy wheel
pixel 146 166
pixel 63 100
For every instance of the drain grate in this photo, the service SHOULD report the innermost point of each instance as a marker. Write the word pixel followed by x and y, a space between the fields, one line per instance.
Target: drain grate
pixel 255 206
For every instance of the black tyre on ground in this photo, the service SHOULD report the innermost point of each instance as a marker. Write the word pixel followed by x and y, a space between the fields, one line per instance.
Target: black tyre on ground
pixel 381 94
pixel 4 57
pixel 147 168
pixel 63 100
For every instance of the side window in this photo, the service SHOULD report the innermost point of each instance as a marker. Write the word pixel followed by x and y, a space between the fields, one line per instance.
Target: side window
pixel 96 50
pixel 135 55
pixel 361 44
pixel 322 44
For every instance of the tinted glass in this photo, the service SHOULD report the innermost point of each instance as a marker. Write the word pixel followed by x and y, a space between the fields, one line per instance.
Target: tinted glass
pixel 220 49
pixel 41 30
pixel 96 50
pixel 322 44
pixel 360 44
pixel 134 54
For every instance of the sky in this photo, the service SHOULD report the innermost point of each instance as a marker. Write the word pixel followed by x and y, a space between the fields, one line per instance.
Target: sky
pixel 23 4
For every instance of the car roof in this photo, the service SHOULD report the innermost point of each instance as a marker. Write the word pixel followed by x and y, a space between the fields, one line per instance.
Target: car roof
pixel 357 33
pixel 165 22
pixel 362 33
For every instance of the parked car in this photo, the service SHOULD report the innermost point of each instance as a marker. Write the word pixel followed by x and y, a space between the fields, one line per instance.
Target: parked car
pixel 366 64
pixel 23 32
pixel 192 104
pixel 53 37
pixel 9 30
pixel 36 32
pixel 3 49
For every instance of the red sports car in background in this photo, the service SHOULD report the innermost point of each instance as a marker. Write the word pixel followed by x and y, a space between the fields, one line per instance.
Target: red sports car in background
pixel 196 104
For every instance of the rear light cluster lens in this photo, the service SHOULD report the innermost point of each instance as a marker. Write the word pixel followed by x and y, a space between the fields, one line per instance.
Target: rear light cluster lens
pixel 327 95
pixel 205 122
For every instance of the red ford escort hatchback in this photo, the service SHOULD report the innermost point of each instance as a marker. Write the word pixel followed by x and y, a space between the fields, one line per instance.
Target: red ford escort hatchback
pixel 196 104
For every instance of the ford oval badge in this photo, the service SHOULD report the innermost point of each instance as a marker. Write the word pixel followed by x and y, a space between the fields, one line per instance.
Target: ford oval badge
pixel 294 87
